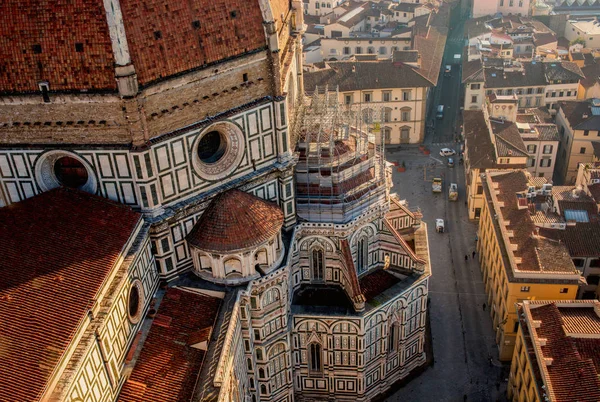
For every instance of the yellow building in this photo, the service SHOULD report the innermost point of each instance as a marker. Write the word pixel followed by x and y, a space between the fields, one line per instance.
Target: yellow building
pixel 492 141
pixel 557 352
pixel 517 263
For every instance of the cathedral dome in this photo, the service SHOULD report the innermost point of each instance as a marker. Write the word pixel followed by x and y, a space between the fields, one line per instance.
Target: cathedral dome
pixel 236 220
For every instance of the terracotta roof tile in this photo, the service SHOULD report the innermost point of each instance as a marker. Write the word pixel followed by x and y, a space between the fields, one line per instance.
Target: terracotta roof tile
pixel 376 282
pixel 38 43
pixel 478 144
pixel 582 240
pixel 236 220
pixel 574 370
pixel 64 243
pixel 168 366
pixel 350 272
pixel 537 253
pixel 362 75
pixel 167 37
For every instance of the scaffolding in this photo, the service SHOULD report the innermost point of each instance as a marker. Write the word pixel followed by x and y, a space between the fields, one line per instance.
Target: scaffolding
pixel 341 171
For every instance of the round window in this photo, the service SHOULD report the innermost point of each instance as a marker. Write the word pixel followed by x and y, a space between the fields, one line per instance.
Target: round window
pixel 62 168
pixel 134 302
pixel 212 147
pixel 218 151
pixel 70 172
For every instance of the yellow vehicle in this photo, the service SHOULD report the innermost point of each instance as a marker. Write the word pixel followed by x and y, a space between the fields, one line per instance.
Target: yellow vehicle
pixel 436 186
pixel 453 192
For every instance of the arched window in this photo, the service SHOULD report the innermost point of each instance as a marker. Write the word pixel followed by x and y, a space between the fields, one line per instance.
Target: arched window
pixel 249 364
pixel 387 135
pixel 362 254
pixel 259 354
pixel 405 113
pixel 233 266
pixel 261 373
pixel 316 263
pixel 387 114
pixel 271 296
pixel 263 389
pixel 393 337
pixel 315 357
pixel 251 382
pixel 277 366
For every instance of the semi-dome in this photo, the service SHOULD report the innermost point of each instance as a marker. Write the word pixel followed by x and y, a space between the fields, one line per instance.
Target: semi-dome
pixel 236 220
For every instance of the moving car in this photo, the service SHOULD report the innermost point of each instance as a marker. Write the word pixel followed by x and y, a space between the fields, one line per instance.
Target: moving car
pixel 447 152
pixel 448 70
pixel 450 162
pixel 453 192
pixel 440 112
pixel 439 225
pixel 436 186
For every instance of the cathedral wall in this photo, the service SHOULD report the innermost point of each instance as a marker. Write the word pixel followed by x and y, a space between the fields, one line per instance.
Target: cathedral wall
pixel 264 314
pixel 183 101
pixel 160 176
pixel 97 366
pixel 362 356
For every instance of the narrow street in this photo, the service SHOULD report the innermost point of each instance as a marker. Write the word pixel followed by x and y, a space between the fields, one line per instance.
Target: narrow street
pixel 465 355
pixel 463 338
pixel 447 92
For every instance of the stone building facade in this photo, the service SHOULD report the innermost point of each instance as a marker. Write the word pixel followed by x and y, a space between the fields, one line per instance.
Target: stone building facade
pixel 192 115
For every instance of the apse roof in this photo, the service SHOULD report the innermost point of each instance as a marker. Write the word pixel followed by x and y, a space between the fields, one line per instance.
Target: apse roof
pixel 236 220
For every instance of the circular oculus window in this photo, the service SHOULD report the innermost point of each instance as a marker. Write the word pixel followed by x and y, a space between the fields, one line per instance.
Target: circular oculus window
pixel 218 151
pixel 62 168
pixel 134 301
pixel 70 172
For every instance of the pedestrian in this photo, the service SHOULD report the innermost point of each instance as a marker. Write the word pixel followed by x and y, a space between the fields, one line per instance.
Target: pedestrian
pixel 473 254
pixel 466 257
pixel 483 306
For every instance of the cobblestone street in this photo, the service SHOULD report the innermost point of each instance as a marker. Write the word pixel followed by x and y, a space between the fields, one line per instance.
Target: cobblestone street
pixel 463 338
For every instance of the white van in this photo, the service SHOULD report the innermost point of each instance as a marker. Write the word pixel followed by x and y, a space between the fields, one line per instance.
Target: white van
pixel 440 112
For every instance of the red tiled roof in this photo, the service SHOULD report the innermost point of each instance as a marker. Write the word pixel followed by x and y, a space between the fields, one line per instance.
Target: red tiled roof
pixel 164 38
pixel 236 220
pixel 56 26
pixel 57 249
pixel 537 253
pixel 376 282
pixel 348 266
pixel 595 192
pixel 411 253
pixel 582 239
pixel 168 365
pixel 574 370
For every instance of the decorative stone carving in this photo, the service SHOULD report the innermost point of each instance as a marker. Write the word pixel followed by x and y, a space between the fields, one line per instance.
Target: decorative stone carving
pixel 234 152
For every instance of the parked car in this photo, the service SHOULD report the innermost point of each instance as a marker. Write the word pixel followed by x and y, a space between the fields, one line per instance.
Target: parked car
pixel 440 112
pixel 436 186
pixel 448 70
pixel 447 152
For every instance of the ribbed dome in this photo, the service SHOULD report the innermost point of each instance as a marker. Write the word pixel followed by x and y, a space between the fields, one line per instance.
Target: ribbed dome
pixel 236 220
